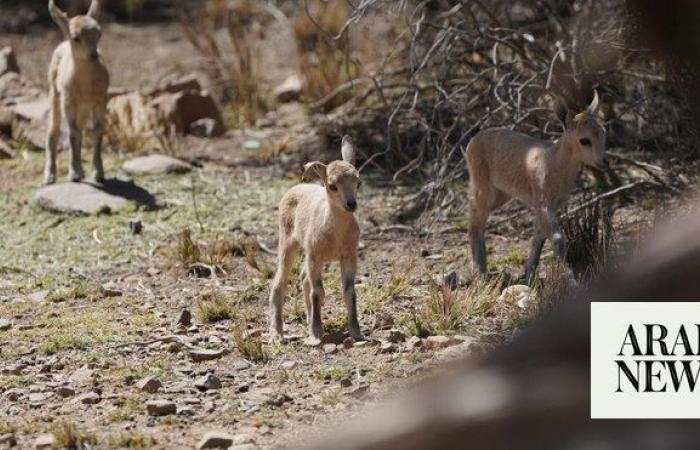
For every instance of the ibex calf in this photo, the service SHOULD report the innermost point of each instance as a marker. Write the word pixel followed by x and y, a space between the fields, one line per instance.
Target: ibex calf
pixel 319 220
pixel 78 83
pixel 504 164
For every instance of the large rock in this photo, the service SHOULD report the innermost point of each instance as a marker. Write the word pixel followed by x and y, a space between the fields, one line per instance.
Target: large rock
pixel 30 121
pixel 183 84
pixel 15 89
pixel 8 61
pixel 77 198
pixel 155 165
pixel 131 114
pixel 181 109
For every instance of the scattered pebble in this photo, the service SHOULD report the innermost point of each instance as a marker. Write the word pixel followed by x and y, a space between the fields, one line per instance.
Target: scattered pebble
pixel 91 398
pixel 65 391
pixel 45 440
pixel 149 384
pixel 330 349
pixel 206 355
pixel 160 407
pixel 5 324
pixel 207 382
pixel 215 439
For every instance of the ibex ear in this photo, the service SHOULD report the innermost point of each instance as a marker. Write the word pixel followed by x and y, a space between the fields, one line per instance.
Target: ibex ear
pixel 592 109
pixel 59 17
pixel 317 167
pixel 94 10
pixel 347 149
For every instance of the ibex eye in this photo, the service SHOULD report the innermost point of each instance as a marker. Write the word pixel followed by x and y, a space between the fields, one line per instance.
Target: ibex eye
pixel 332 187
pixel 585 141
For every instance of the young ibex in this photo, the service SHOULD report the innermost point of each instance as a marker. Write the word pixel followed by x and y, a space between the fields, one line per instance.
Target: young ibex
pixel 504 164
pixel 319 220
pixel 78 83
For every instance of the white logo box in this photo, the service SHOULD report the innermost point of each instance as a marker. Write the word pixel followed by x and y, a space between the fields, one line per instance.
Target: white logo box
pixel 610 322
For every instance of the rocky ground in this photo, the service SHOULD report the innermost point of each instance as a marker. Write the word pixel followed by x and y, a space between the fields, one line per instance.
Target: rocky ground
pixel 144 325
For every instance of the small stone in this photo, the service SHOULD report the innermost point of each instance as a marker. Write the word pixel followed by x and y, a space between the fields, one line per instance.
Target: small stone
pixel 39 397
pixel 441 341
pixel 82 375
pixel 149 384
pixel 360 391
pixel 395 336
pixel 288 365
pixel 289 90
pixel 91 398
pixel 215 439
pixel 518 294
pixel 345 382
pixel 348 343
pixel 45 440
pixel 38 296
pixel 14 394
pixel 278 399
pixel 207 382
pixel 109 290
pixel 65 391
pixel 155 165
pixel 135 226
pixel 14 369
pixel 7 440
pixel 330 349
pixel 206 355
pixel 160 407
pixel 386 347
pixel 240 364
pixel 243 439
pixel 5 324
pixel 414 343
pixel 204 128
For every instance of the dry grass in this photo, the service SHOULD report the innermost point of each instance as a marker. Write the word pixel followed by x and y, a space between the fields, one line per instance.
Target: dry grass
pixel 232 66
pixel 212 307
pixel 249 346
pixel 69 437
pixel 325 63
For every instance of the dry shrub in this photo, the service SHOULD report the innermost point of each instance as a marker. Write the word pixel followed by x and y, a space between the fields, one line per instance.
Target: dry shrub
pixel 591 240
pixel 250 346
pixel 212 307
pixel 325 62
pixel 558 286
pixel 445 308
pixel 69 437
pixel 119 138
pixel 230 64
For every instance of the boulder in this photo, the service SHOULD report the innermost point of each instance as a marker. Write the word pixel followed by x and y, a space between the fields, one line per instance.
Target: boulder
pixel 8 61
pixel 45 441
pixel 215 439
pixel 77 198
pixel 203 128
pixel 155 165
pixel 181 109
pixel 289 90
pixel 131 114
pixel 30 121
pixel 183 84
pixel 149 384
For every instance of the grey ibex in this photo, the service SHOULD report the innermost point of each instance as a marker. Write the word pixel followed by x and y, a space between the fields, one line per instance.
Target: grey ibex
pixel 78 83
pixel 319 220
pixel 505 164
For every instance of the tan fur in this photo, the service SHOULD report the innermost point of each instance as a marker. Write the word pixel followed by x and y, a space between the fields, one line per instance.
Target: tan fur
pixel 504 164
pixel 78 83
pixel 320 222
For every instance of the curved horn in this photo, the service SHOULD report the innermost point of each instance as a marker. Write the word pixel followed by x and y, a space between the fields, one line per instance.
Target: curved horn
pixel 593 107
pixel 94 10
pixel 347 149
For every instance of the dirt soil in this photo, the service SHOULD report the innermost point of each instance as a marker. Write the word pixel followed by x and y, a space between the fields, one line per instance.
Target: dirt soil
pixel 86 299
